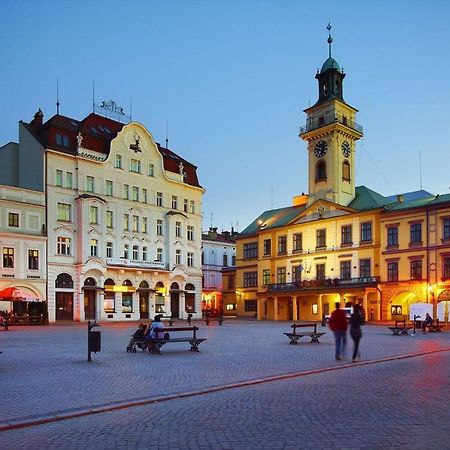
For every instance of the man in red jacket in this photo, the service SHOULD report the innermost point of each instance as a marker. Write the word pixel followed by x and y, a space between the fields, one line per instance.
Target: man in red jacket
pixel 338 324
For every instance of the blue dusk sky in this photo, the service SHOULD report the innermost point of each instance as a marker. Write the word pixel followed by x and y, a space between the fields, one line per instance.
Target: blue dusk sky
pixel 231 78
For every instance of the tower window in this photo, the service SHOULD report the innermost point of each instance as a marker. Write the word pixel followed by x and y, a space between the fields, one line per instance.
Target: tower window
pixel 321 171
pixel 345 171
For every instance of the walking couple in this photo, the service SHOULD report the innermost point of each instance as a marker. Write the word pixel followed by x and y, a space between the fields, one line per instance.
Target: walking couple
pixel 338 324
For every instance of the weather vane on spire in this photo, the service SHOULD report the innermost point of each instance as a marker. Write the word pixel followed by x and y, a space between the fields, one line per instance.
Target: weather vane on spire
pixel 329 40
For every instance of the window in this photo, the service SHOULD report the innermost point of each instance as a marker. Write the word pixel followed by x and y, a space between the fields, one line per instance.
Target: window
pixel 178 229
pixel 93 215
pixel 94 246
pixel 345 171
pixel 250 306
pixel 266 277
pixel 109 219
pixel 64 212
pixel 416 233
pixel 144 225
pixel 178 257
pixel 231 283
pixel 364 268
pixel 251 250
pixel 174 202
pixel 190 232
pixel 282 245
pixel 416 269
pixel 144 253
pixel 392 236
pixel 90 186
pixel 63 246
pixel 190 259
pixel 136 252
pixel 321 171
pixel 159 227
pixel 346 270
pixel 109 249
pixel 281 275
pixel 185 205
pixel 392 271
pixel 320 271
pixel 225 260
pixel 267 248
pixel 135 224
pixel 118 162
pixel 135 166
pixel 8 257
pixel 109 188
pixel 250 279
pixel 346 235
pixel 446 228
pixel 144 195
pixel 297 244
pixel 159 199
pixel 62 140
pixel 13 220
pixel 69 180
pixel 446 268
pixel 135 194
pixel 126 222
pixel 33 259
pixel 126 251
pixel 126 191
pixel 192 207
pixel 297 273
pixel 159 254
pixel 233 260
pixel 151 170
pixel 321 238
pixel 59 178
pixel 366 231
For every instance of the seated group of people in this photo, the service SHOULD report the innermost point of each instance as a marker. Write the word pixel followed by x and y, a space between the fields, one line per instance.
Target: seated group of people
pixel 149 334
pixel 427 323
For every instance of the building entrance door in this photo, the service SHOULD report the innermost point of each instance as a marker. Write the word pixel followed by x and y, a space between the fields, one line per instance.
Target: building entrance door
pixel 175 304
pixel 143 305
pixel 64 306
pixel 89 304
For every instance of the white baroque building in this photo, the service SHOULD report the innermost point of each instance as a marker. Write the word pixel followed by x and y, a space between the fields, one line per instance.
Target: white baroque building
pixel 123 218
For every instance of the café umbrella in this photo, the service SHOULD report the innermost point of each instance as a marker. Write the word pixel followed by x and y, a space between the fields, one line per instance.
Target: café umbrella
pixel 13 294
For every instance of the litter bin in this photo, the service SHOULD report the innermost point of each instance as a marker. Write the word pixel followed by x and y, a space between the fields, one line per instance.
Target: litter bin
pixel 95 341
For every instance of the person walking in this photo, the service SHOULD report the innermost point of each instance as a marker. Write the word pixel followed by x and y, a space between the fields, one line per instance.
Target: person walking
pixel 356 321
pixel 338 325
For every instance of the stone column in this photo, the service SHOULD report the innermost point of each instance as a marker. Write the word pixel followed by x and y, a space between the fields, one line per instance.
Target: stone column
pixel 275 308
pixel 294 309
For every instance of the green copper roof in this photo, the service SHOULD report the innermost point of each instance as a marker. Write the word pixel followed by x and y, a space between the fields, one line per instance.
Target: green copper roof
pixel 366 199
pixel 419 203
pixel 273 219
pixel 330 63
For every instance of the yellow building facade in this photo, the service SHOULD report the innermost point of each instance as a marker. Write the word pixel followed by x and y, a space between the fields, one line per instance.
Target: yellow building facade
pixel 341 242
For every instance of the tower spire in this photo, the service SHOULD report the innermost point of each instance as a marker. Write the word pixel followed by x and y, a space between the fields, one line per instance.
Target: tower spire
pixel 329 40
pixel 57 96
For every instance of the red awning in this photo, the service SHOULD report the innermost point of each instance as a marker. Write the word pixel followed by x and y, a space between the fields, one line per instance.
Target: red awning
pixel 13 294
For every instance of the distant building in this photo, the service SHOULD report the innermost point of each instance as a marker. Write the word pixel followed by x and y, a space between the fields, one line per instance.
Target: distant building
pixel 123 217
pixel 218 253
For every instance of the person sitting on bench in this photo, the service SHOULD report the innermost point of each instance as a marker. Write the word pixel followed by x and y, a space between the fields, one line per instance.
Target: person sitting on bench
pixel 427 323
pixel 157 328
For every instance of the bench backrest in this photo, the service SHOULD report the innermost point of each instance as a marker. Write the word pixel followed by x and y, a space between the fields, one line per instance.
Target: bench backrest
pixel 169 330
pixel 402 322
pixel 304 325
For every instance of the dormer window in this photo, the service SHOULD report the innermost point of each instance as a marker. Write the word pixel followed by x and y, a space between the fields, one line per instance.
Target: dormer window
pixel 62 140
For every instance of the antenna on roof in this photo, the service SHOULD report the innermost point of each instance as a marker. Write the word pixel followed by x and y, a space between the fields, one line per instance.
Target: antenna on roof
pixel 93 96
pixel 131 108
pixel 212 215
pixel 57 96
pixel 167 134
pixel 420 168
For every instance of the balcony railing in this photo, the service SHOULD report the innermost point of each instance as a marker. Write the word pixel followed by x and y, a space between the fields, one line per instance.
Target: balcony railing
pixel 309 285
pixel 328 120
pixel 123 262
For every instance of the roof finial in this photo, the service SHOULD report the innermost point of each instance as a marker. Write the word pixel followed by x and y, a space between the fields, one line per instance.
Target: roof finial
pixel 57 96
pixel 329 40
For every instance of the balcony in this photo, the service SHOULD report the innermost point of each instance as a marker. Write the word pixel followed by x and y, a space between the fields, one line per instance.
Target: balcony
pixel 312 285
pixel 123 262
pixel 328 120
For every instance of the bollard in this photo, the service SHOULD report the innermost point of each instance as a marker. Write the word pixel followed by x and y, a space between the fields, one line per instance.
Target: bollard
pixel 94 339
pixel 189 319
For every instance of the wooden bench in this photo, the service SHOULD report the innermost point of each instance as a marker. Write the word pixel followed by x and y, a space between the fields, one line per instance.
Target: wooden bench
pixel 194 341
pixel 218 318
pixel 294 337
pixel 435 327
pixel 400 328
pixel 167 319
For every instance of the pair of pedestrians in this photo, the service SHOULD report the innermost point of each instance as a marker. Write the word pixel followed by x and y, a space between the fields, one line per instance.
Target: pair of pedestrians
pixel 338 324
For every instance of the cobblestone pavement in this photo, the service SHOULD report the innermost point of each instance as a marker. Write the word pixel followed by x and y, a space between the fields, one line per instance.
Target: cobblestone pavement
pixel 391 404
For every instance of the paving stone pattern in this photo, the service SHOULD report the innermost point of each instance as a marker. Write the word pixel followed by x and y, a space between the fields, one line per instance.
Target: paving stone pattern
pixel 399 404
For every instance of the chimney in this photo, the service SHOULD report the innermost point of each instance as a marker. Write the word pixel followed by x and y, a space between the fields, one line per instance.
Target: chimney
pixel 400 198
pixel 38 119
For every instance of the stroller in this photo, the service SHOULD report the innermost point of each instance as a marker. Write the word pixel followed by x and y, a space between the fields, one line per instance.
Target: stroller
pixel 137 341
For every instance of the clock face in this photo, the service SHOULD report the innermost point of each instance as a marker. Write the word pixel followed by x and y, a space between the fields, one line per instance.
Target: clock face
pixel 320 149
pixel 346 149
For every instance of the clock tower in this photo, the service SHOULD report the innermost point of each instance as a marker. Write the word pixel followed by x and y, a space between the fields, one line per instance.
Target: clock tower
pixel 331 134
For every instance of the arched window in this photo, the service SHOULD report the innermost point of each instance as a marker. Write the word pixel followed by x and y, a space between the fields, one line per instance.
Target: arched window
pixel 64 281
pixel 175 286
pixel 345 171
pixel 90 282
pixel 321 171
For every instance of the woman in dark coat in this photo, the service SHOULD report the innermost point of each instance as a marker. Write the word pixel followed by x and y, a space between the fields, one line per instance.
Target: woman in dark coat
pixel 356 321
